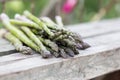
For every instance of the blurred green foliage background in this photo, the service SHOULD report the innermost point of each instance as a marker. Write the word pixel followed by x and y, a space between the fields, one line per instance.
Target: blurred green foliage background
pixel 84 14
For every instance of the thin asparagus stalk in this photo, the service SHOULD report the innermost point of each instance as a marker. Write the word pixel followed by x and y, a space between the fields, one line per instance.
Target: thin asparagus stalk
pixel 32 36
pixel 59 21
pixel 22 18
pixel 71 45
pixel 78 39
pixel 37 32
pixel 69 51
pixel 17 33
pixel 49 43
pixel 40 23
pixel 61 37
pixel 63 53
pixel 49 22
pixel 23 23
pixel 79 46
pixel 85 45
pixel 76 51
pixel 18 44
pixel 56 54
pixel 58 33
pixel 34 31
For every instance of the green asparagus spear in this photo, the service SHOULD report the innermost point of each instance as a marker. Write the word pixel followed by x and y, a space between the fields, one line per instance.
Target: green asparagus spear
pixel 79 46
pixel 76 51
pixel 63 53
pixel 69 43
pixel 78 39
pixel 22 18
pixel 37 32
pixel 40 23
pixel 58 33
pixel 85 45
pixel 56 54
pixel 72 45
pixel 59 21
pixel 61 37
pixel 17 43
pixel 32 36
pixel 49 43
pixel 34 31
pixel 49 22
pixel 69 51
pixel 23 23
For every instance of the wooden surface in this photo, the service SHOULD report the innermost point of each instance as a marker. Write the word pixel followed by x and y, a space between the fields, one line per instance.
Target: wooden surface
pixel 103 57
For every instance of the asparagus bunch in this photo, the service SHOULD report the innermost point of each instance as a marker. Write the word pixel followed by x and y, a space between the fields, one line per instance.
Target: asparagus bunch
pixel 21 36
pixel 28 32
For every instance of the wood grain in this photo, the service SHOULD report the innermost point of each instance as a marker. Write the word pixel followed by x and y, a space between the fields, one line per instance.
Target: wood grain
pixel 89 64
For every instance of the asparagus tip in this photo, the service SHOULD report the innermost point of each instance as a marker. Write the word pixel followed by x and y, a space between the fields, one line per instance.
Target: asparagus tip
pixel 26 50
pixel 79 46
pixel 17 15
pixel 63 53
pixel 46 54
pixel 85 45
pixel 69 52
pixel 26 12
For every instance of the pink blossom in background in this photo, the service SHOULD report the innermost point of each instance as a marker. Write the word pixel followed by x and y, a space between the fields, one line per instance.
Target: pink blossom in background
pixel 69 6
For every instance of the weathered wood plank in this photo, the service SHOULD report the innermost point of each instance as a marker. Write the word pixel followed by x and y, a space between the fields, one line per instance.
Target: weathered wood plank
pixel 15 57
pixel 96 28
pixel 7 49
pixel 84 66
pixel 3 41
pixel 93 41
pixel 103 39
